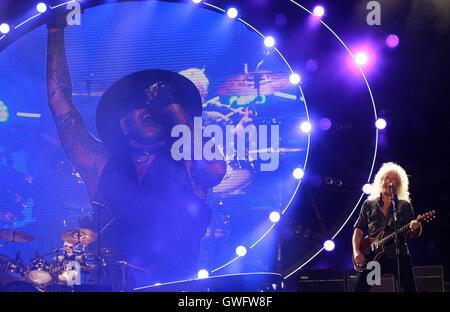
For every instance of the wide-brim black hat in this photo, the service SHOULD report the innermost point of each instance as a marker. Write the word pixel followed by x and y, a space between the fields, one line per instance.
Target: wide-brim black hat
pixel 129 93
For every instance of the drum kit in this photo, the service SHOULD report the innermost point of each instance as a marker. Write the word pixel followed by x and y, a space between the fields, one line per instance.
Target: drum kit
pixel 258 83
pixel 68 266
pixel 262 82
pixel 73 264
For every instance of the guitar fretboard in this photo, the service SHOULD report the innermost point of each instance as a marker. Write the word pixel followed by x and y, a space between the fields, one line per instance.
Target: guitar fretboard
pixel 390 237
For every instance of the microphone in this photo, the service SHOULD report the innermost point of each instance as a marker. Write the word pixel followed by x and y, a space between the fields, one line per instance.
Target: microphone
pixel 393 194
pixel 391 188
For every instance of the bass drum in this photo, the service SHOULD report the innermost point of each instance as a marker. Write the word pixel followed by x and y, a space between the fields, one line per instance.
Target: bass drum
pixel 39 272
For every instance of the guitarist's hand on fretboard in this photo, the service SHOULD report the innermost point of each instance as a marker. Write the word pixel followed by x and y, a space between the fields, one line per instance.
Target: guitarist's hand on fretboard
pixel 415 228
pixel 414 225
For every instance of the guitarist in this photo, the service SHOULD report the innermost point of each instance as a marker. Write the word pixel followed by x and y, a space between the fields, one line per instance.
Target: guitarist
pixel 376 215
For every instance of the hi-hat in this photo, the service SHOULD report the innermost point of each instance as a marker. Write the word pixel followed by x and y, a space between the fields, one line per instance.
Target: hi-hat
pixel 15 236
pixel 82 236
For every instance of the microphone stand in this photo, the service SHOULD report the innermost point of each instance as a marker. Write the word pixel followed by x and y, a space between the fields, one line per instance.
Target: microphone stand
pixel 397 282
pixel 100 206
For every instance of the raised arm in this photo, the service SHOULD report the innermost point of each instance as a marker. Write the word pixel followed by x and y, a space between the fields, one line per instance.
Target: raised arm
pixel 87 154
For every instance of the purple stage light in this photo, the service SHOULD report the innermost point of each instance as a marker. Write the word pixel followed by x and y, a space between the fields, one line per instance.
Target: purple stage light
pixel 298 173
pixel 329 245
pixel 361 58
pixel 392 41
pixel 367 188
pixel 274 216
pixel 41 7
pixel 269 41
pixel 319 11
pixel 312 65
pixel 364 57
pixel 325 124
pixel 305 127
pixel 241 251
pixel 295 79
pixel 232 12
pixel 380 123
pixel 281 20
pixel 203 274
pixel 4 28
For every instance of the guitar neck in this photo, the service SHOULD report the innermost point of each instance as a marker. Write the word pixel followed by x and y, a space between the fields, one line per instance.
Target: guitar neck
pixel 390 237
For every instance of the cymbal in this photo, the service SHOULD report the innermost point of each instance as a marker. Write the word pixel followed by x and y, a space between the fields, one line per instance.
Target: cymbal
pixel 75 236
pixel 15 236
pixel 246 84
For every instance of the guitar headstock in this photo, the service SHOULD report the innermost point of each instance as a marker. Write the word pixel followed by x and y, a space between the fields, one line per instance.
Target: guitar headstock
pixel 427 216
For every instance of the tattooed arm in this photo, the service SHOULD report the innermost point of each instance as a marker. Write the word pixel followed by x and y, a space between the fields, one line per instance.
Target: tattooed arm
pixel 87 154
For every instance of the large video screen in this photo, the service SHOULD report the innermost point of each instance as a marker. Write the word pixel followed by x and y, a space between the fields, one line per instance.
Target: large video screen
pixel 242 84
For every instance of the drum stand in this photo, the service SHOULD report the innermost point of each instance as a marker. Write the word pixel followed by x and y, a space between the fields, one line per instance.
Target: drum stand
pixel 99 259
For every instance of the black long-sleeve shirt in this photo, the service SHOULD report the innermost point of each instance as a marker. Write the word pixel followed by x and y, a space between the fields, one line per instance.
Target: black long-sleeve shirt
pixel 371 220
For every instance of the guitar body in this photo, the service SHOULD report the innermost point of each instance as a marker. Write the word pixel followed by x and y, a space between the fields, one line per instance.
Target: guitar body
pixel 371 251
pixel 372 247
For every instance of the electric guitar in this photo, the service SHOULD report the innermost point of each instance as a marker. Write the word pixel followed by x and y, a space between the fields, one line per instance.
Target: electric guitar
pixel 372 248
